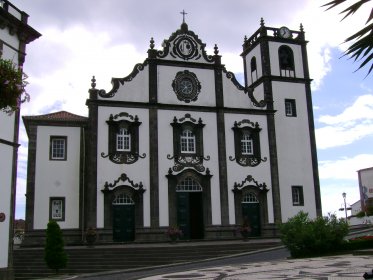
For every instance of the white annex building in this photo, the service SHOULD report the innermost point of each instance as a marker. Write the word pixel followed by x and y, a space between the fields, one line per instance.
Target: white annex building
pixel 15 34
pixel 180 142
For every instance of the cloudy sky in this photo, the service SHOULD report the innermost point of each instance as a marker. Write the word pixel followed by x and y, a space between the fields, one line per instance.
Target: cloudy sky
pixel 107 38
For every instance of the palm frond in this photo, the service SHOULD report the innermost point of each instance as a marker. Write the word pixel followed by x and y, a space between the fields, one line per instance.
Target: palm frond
pixel 333 3
pixel 353 8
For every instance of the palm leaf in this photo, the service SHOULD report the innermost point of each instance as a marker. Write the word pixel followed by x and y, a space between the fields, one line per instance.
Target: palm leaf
pixel 353 8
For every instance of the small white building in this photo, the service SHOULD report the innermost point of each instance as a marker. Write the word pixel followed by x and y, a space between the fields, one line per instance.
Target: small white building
pixel 15 34
pixel 180 142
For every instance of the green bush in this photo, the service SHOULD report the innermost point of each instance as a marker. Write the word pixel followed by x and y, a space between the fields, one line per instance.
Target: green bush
pixel 305 237
pixel 54 254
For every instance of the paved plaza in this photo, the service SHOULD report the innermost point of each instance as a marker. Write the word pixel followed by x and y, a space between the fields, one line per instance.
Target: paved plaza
pixel 325 268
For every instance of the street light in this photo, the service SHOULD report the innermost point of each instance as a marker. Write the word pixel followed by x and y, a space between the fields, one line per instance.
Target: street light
pixel 344 198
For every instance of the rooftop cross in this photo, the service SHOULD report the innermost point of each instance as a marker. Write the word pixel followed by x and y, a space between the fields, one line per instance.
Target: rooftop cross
pixel 183 13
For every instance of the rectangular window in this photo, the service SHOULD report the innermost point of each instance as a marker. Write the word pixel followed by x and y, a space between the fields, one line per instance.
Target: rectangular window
pixel 58 148
pixel 247 145
pixel 187 142
pixel 123 140
pixel 297 193
pixel 290 108
pixel 57 208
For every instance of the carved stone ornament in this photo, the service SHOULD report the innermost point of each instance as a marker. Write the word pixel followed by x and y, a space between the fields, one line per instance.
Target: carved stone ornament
pixel 194 161
pixel 2 217
pixel 249 179
pixel 186 86
pixel 123 177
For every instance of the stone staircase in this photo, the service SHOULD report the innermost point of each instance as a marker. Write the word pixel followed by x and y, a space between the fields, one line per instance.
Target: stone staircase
pixel 29 262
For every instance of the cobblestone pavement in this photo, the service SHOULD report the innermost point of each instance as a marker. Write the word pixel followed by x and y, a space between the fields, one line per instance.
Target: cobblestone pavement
pixel 325 268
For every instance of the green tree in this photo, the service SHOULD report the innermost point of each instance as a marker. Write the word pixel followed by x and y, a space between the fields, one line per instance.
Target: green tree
pixel 54 254
pixel 306 237
pixel 362 41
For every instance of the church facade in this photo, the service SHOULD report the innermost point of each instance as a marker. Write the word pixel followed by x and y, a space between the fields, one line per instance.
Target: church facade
pixel 180 142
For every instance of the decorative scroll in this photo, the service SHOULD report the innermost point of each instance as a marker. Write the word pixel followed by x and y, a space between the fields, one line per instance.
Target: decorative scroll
pixel 249 179
pixel 123 177
pixel 182 162
pixel 120 158
pixel 120 81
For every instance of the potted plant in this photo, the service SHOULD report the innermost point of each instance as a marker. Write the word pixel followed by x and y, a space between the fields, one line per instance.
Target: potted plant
pixel 90 236
pixel 12 86
pixel 174 233
pixel 244 229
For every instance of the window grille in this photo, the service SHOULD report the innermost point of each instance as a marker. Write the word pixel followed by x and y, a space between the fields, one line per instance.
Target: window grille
pixel 123 199
pixel 188 185
pixel 250 198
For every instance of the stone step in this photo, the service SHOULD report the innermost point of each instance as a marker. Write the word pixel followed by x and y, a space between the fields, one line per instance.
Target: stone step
pixel 29 262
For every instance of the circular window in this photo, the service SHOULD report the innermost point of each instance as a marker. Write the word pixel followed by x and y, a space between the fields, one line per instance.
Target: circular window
pixel 186 86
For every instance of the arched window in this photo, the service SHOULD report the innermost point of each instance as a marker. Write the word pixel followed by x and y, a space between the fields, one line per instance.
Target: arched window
pixel 123 199
pixel 254 72
pixel 188 185
pixel 249 198
pixel 123 140
pixel 247 144
pixel 187 141
pixel 286 61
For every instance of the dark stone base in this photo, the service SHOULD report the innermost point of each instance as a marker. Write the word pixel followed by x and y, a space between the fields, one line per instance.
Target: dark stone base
pixel 6 274
pixel 36 238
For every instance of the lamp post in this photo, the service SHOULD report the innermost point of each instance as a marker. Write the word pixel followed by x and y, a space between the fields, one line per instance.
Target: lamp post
pixel 344 198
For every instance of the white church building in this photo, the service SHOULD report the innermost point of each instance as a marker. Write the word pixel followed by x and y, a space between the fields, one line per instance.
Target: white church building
pixel 180 142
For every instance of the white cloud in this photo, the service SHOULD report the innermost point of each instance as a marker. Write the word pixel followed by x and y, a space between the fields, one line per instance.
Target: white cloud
pixel 344 168
pixel 354 123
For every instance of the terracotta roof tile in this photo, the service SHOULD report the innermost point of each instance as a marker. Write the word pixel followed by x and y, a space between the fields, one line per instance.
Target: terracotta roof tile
pixel 58 116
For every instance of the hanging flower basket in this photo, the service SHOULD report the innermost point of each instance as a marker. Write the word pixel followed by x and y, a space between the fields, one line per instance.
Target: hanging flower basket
pixel 12 86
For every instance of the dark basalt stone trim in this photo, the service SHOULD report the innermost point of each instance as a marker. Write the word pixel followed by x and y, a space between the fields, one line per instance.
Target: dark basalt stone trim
pixel 109 103
pixel 184 64
pixel 30 187
pixel 271 126
pixel 311 126
pixel 281 79
pixel 153 163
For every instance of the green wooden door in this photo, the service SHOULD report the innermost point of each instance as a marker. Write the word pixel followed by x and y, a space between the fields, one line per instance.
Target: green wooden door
pixel 123 222
pixel 190 214
pixel 183 220
pixel 251 213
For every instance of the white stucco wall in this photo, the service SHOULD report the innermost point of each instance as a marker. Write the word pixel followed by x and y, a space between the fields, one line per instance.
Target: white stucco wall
pixel 6 161
pixel 293 147
pixel 166 94
pixel 108 171
pixel 135 90
pixel 57 178
pixel 254 52
pixel 237 173
pixel 7 125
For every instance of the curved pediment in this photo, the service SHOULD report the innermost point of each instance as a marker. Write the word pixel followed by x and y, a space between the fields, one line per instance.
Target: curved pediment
pixel 185 45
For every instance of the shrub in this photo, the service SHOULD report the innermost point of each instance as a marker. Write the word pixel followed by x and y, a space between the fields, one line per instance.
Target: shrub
pixel 305 237
pixel 54 254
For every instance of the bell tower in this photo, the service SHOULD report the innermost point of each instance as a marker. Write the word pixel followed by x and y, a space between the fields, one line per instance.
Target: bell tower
pixel 276 67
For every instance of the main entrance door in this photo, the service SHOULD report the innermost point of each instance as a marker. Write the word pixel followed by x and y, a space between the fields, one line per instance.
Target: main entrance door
pixel 123 218
pixel 190 209
pixel 251 213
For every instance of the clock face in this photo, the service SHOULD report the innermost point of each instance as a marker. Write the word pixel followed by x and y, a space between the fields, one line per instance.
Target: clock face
pixel 186 86
pixel 284 32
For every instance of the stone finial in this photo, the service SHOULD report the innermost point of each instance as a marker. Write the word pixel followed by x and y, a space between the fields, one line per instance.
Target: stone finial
pixel 261 22
pixel 216 50
pixel 93 84
pixel 301 28
pixel 151 43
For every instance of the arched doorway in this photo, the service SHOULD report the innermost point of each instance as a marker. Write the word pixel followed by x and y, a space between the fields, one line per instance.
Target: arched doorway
pixel 123 209
pixel 190 208
pixel 251 212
